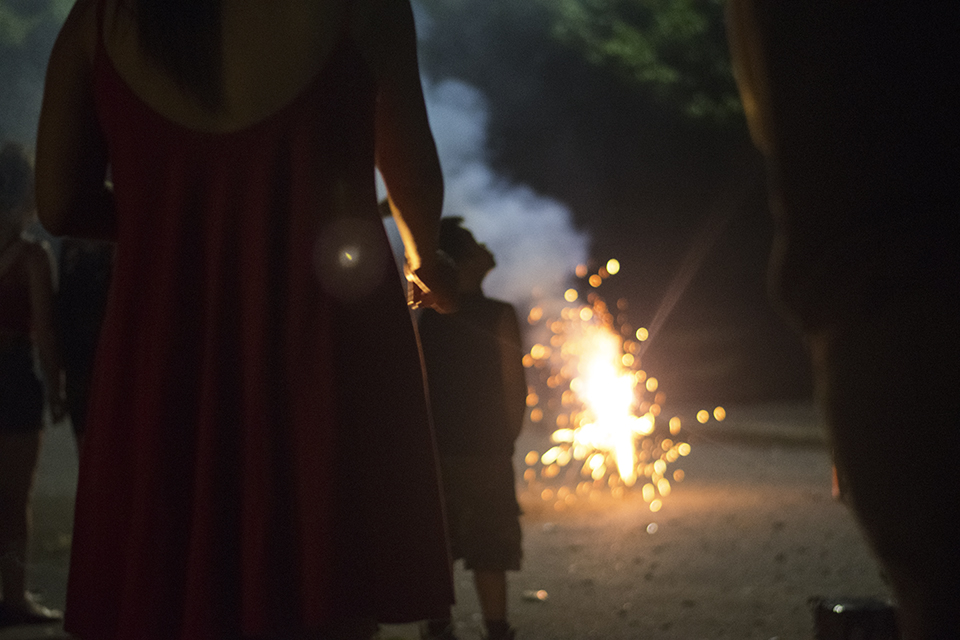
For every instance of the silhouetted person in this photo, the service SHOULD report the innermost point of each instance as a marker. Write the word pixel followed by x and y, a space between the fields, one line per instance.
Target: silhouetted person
pixel 477 392
pixel 26 326
pixel 855 107
pixel 258 460
pixel 84 272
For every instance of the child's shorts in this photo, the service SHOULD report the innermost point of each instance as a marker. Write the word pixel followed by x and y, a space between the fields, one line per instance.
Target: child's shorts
pixel 21 392
pixel 483 515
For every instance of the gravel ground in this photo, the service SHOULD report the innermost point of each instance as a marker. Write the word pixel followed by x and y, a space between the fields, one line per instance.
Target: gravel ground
pixel 737 550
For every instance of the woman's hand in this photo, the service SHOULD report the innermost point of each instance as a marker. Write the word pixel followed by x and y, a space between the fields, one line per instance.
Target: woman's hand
pixel 433 285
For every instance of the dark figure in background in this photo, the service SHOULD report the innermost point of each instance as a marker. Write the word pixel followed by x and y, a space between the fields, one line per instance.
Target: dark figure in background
pixel 26 325
pixel 258 460
pixel 854 105
pixel 477 392
pixel 84 268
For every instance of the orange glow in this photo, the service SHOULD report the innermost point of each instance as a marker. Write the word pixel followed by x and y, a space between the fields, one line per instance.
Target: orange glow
pixel 663 487
pixel 550 456
pixel 674 425
pixel 719 414
pixel 648 492
pixel 535 315
pixel 539 352
pixel 581 271
pixel 608 436
pixel 678 475
pixel 703 416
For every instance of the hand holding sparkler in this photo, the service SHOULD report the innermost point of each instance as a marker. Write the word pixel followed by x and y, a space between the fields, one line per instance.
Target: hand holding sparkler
pixel 433 284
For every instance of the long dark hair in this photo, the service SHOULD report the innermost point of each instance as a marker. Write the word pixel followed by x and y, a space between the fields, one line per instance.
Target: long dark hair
pixel 183 36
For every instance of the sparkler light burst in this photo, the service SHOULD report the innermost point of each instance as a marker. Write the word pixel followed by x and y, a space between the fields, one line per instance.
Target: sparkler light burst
pixel 605 411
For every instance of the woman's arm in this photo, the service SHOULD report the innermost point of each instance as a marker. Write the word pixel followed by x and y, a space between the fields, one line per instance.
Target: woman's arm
pixel 406 153
pixel 72 198
pixel 40 273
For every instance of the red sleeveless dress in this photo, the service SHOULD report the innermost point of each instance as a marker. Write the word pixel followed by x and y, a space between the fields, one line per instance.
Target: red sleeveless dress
pixel 258 457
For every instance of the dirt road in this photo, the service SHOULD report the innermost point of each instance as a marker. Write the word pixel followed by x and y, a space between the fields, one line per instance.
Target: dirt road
pixel 736 551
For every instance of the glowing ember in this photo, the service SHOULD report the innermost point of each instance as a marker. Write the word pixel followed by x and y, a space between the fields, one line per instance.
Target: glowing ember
pixel 590 386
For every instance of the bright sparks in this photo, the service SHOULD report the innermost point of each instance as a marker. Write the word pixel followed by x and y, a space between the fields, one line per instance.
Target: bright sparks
pixel 610 434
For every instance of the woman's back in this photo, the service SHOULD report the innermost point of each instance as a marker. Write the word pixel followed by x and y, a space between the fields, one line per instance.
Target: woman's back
pixel 257 348
pixel 271 51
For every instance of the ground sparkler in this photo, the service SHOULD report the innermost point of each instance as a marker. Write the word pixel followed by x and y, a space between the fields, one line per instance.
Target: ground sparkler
pixel 609 431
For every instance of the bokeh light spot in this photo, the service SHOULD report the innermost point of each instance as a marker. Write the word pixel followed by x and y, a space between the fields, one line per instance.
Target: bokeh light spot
pixel 674 425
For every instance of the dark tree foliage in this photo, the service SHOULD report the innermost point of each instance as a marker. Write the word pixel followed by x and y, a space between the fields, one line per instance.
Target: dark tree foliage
pixel 676 49
pixel 568 126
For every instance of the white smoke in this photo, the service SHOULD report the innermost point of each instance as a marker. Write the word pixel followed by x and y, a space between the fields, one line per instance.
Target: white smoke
pixel 531 236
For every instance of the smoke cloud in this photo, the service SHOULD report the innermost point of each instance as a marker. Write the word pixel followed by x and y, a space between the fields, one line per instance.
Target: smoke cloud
pixel 532 237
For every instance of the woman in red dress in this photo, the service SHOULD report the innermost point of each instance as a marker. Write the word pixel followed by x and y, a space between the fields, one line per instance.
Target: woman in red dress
pixel 26 325
pixel 258 459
